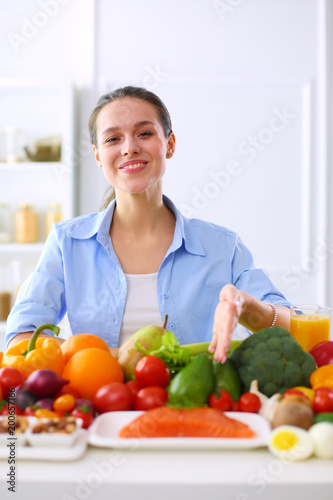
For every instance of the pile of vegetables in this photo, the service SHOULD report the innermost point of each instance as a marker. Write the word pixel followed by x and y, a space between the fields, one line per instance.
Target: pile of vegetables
pixel 268 373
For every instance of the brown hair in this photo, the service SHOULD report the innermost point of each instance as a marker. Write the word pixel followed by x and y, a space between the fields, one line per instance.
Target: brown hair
pixel 120 93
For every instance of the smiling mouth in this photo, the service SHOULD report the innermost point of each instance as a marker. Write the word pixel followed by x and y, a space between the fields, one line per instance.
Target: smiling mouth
pixel 133 166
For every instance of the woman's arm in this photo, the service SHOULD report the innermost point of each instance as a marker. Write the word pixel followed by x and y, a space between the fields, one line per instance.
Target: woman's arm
pixel 236 306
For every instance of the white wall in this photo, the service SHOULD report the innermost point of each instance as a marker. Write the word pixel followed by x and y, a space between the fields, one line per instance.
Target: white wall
pixel 234 73
pixel 225 70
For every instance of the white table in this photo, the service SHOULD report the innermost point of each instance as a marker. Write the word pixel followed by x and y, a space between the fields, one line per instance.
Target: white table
pixel 171 475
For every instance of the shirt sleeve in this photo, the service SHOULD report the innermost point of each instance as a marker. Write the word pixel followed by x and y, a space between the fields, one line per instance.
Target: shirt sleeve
pixel 252 280
pixel 41 298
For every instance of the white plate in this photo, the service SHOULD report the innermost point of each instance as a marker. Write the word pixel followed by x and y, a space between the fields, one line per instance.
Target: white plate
pixel 104 430
pixel 56 453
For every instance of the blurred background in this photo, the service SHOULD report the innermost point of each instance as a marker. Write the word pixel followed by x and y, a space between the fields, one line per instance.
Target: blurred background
pixel 248 86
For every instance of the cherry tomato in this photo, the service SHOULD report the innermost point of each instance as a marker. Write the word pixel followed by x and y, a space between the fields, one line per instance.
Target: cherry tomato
pixel 150 397
pixel 151 370
pixel 249 402
pixel 9 379
pixel 64 403
pixel 323 400
pixel 113 397
pixel 29 411
pixel 9 409
pixel 85 414
pixel 235 406
pixel 44 413
pixel 220 400
pixel 133 386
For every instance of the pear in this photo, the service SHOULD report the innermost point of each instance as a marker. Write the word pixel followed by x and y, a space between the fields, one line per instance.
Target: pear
pixel 150 338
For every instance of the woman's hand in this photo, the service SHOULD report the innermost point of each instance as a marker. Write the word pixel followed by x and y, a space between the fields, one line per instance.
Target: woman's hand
pixel 227 314
pixel 236 306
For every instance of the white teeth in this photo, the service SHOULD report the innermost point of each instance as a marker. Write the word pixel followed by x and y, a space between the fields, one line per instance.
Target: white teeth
pixel 134 165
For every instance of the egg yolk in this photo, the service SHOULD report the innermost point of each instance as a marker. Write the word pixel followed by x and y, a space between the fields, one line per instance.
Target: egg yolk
pixel 285 440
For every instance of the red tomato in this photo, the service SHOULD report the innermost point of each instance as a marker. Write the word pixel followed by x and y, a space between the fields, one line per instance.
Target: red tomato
pixel 83 412
pixel 133 386
pixel 150 397
pixel 113 397
pixel 220 400
pixel 323 400
pixel 151 370
pixel 30 411
pixel 9 409
pixel 249 402
pixel 9 379
pixel 234 406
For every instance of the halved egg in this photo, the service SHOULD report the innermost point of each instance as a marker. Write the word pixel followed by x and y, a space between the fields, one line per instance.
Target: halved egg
pixel 291 443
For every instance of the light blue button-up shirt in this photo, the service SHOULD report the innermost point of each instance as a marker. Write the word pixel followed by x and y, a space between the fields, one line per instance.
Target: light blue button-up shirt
pixel 79 273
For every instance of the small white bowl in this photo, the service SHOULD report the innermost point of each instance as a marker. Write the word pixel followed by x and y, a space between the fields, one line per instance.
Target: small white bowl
pixel 8 439
pixel 53 439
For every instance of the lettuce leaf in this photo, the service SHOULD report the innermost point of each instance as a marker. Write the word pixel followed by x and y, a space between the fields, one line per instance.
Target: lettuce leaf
pixel 171 352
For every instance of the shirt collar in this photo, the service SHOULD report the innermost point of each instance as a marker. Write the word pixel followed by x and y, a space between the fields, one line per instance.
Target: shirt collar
pixel 100 224
pixel 184 232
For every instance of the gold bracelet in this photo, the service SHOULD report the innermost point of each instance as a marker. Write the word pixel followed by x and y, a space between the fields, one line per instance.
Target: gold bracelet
pixel 275 313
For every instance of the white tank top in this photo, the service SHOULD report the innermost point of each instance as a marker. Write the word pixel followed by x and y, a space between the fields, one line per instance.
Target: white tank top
pixel 141 307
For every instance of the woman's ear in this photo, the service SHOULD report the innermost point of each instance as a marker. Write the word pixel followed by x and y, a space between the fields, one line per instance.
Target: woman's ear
pixel 97 158
pixel 171 145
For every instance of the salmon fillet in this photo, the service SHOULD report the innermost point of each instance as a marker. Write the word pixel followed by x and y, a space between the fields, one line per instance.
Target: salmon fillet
pixel 192 422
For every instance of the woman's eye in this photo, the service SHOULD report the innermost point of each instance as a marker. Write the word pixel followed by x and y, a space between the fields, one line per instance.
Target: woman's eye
pixel 112 139
pixel 146 132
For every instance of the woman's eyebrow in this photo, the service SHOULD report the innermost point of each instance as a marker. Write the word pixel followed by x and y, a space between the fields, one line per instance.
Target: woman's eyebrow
pixel 137 124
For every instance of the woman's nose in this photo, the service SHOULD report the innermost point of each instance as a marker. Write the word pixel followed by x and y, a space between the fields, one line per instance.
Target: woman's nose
pixel 130 146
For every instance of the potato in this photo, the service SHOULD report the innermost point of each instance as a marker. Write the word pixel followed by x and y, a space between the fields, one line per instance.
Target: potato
pixel 292 411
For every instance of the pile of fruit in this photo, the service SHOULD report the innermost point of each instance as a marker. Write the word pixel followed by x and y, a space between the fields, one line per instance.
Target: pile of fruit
pixel 268 373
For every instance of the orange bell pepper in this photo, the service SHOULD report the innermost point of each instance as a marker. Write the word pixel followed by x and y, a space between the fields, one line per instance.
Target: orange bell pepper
pixel 35 353
pixel 322 377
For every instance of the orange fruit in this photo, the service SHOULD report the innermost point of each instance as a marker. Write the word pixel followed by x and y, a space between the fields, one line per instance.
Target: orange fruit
pixel 1 356
pixel 80 341
pixel 89 369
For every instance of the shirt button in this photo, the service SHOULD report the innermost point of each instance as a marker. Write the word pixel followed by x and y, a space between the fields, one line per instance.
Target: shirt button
pixel 165 295
pixel 171 326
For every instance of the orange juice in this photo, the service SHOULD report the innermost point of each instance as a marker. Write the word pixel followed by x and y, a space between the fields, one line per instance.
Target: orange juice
pixel 309 329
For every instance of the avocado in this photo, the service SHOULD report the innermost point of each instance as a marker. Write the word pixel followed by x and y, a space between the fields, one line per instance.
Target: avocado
pixel 193 385
pixel 227 378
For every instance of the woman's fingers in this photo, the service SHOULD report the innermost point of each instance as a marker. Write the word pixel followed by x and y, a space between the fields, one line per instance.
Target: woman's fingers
pixel 225 321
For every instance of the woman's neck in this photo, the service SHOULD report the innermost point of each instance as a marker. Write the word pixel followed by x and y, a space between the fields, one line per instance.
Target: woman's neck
pixel 138 214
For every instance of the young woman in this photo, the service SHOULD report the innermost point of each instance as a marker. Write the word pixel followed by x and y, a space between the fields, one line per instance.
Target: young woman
pixel 140 258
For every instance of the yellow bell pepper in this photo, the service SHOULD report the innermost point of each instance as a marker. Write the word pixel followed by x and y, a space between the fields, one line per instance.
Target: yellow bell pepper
pixel 35 353
pixel 322 377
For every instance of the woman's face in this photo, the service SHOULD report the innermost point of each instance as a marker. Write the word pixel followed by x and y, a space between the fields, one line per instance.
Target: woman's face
pixel 131 145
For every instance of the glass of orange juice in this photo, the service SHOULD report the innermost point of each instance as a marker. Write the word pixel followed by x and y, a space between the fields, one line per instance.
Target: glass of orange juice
pixel 310 324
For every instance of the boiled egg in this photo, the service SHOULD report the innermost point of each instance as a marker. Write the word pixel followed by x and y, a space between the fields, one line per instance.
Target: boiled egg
pixel 291 443
pixel 322 435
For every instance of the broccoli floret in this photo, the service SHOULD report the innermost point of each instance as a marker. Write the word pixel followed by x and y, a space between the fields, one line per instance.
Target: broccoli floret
pixel 273 358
